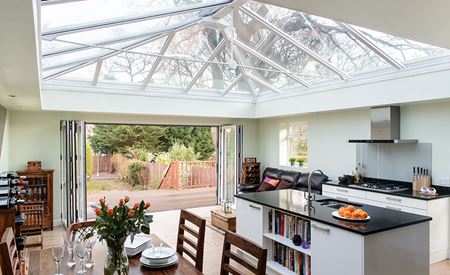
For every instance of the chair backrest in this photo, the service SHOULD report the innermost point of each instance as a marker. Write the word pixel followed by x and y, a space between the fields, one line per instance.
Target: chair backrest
pixel 34 216
pixel 9 257
pixel 250 248
pixel 79 231
pixel 197 247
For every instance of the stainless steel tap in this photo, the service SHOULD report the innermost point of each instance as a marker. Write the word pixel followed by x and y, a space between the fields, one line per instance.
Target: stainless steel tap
pixel 309 182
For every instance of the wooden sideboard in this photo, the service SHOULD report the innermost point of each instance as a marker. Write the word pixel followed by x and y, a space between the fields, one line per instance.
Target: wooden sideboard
pixel 41 190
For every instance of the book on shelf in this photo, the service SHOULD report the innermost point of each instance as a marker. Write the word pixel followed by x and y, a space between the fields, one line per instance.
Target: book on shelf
pixel 291 259
pixel 288 225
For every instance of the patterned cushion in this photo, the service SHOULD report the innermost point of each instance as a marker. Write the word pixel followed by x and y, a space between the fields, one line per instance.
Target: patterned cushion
pixel 268 184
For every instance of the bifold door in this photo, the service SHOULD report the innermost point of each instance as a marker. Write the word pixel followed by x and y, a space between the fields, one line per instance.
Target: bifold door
pixel 73 175
pixel 230 162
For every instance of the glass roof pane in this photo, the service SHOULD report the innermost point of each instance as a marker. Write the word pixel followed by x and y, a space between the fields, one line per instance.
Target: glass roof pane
pixel 78 12
pixel 85 73
pixel 322 36
pixel 81 55
pixel 187 46
pixel 266 55
pixel 401 49
pixel 138 30
pixel 129 67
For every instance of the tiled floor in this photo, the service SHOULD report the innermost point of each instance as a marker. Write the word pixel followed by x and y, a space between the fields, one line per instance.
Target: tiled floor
pixel 165 226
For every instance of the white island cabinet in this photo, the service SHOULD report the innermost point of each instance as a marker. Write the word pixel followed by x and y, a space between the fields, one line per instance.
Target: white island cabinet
pixel 335 249
pixel 438 209
pixel 249 220
pixel 339 252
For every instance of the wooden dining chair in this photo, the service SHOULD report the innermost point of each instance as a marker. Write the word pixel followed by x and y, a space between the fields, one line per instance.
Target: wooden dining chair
pixel 79 231
pixel 33 222
pixel 197 247
pixel 243 244
pixel 9 256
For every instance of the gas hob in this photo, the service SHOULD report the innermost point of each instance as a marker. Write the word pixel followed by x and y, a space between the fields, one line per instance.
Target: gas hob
pixel 381 187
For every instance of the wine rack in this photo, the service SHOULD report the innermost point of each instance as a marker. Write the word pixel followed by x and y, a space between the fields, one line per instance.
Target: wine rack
pixel 40 183
pixel 251 173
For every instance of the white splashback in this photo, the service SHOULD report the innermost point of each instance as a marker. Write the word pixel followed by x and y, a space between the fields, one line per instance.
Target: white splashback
pixel 393 161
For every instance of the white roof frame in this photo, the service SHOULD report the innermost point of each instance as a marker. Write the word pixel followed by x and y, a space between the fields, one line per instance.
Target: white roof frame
pixel 363 39
pixel 54 32
pixel 157 61
pixel 105 42
pixel 271 63
pixel 294 42
pixel 213 55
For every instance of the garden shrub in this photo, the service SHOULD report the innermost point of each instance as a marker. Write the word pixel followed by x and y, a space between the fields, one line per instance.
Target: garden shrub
pixel 136 173
pixel 89 160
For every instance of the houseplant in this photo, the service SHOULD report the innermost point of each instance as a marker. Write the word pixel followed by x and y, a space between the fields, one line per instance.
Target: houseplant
pixel 114 224
pixel 292 161
pixel 300 162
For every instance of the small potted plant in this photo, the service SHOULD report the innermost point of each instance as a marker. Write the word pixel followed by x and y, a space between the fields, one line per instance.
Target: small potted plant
pixel 292 161
pixel 300 162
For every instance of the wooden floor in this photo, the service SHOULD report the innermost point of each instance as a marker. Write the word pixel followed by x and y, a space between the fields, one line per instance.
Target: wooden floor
pixel 165 226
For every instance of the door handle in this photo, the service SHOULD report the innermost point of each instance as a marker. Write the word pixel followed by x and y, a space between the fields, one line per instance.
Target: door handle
pixel 393 199
pixel 393 208
pixel 254 207
pixel 341 198
pixel 324 229
pixel 342 190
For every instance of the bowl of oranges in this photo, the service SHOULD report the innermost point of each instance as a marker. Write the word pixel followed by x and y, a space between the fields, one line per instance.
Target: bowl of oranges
pixel 350 213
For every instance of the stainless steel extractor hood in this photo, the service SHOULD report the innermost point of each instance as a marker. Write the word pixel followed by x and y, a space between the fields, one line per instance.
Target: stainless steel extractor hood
pixel 384 127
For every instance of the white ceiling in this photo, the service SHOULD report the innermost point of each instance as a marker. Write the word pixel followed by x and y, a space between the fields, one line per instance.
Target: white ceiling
pixel 19 74
pixel 425 21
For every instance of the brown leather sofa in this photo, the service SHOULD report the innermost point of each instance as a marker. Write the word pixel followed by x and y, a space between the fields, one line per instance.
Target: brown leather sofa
pixel 298 180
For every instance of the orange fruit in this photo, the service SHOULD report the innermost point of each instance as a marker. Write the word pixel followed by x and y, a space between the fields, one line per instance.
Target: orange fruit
pixel 364 215
pixel 347 214
pixel 356 215
pixel 350 208
pixel 341 211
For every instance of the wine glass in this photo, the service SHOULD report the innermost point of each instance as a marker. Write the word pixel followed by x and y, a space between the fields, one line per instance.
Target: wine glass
pixel 89 243
pixel 69 240
pixel 58 254
pixel 80 250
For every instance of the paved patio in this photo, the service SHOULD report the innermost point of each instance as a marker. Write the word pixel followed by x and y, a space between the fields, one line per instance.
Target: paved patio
pixel 162 200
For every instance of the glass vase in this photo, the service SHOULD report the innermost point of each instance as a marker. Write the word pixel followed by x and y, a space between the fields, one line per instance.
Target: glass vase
pixel 116 258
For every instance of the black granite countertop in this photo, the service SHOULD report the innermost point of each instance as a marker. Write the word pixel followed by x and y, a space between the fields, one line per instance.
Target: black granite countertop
pixel 442 192
pixel 293 202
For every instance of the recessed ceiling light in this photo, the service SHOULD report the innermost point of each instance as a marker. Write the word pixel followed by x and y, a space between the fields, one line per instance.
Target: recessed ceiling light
pixel 12 96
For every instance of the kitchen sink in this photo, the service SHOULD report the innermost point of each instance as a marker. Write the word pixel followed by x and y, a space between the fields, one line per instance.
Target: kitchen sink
pixel 336 204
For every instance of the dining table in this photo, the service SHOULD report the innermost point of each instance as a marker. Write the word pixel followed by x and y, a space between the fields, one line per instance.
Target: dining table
pixel 41 262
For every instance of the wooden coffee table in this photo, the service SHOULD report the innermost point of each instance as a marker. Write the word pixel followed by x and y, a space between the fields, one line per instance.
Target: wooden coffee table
pixel 224 221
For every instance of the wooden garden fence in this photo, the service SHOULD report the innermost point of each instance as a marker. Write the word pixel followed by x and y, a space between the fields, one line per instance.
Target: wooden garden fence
pixel 189 174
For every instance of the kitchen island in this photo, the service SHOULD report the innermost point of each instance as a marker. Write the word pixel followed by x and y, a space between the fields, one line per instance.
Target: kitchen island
pixel 390 243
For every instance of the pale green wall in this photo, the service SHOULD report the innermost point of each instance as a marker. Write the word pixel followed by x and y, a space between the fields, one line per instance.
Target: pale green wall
pixel 327 135
pixel 4 155
pixel 35 136
pixel 329 131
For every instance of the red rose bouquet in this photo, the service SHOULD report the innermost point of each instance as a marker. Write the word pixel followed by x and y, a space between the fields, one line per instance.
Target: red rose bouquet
pixel 114 224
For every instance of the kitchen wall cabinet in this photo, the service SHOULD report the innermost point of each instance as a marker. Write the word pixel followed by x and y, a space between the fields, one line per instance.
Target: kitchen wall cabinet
pixel 438 209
